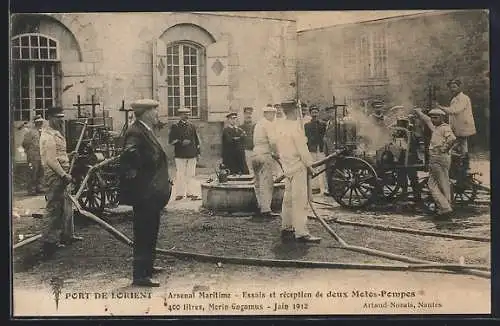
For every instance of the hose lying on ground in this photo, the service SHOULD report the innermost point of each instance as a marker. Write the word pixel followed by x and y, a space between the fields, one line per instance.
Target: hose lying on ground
pixel 272 262
pixel 417 263
pixel 406 230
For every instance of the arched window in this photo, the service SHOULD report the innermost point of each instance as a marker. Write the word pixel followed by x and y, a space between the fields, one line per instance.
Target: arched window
pixel 35 60
pixel 184 60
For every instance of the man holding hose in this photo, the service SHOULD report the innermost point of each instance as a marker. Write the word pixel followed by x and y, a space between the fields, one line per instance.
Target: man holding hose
pixel 297 163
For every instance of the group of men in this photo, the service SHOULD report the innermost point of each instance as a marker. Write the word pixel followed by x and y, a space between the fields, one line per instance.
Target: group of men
pixel 280 143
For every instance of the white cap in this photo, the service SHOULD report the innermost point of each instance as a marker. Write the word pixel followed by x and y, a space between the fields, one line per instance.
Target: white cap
pixel 268 109
pixel 436 112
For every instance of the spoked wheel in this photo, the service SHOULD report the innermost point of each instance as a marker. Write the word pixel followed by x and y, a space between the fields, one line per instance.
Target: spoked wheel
pixel 93 195
pixel 466 192
pixel 390 187
pixel 353 182
pixel 112 191
pixel 426 197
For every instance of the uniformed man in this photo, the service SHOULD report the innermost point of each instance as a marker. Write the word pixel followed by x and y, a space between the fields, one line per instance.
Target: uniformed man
pixel 56 163
pixel 248 127
pixel 233 152
pixel 31 146
pixel 265 153
pixel 441 143
pixel 184 137
pixel 297 163
pixel 315 132
pixel 460 116
pixel 144 184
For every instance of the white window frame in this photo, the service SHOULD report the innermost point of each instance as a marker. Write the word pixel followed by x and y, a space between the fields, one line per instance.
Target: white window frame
pixel 182 104
pixel 30 62
pixel 360 65
pixel 32 47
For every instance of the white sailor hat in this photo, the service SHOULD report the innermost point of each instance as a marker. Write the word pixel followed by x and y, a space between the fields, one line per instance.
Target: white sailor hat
pixel 268 109
pixel 436 112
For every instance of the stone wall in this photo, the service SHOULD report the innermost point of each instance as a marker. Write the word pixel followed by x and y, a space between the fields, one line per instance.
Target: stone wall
pixel 423 50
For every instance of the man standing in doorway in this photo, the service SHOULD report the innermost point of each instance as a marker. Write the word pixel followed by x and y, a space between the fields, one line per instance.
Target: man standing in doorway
pixel 460 116
pixel 315 132
pixel 248 127
pixel 265 152
pixel 144 184
pixel 184 137
pixel 233 153
pixel 297 163
pixel 31 146
pixel 56 164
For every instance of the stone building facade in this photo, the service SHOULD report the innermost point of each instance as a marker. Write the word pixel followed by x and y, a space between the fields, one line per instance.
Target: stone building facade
pixel 399 60
pixel 211 63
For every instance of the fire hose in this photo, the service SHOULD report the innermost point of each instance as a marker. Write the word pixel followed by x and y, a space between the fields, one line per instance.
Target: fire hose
pixel 413 264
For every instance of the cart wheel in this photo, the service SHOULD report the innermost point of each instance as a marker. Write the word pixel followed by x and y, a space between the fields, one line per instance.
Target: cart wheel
pixel 390 187
pixel 466 193
pixel 426 196
pixel 353 182
pixel 112 191
pixel 93 195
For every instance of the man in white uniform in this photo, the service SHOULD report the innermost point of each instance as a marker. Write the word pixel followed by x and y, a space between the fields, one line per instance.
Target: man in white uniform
pixel 460 116
pixel 296 160
pixel 263 162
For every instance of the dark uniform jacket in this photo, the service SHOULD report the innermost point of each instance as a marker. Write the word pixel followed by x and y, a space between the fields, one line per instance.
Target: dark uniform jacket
pixel 315 131
pixel 329 141
pixel 184 130
pixel 143 168
pixel 248 128
pixel 233 153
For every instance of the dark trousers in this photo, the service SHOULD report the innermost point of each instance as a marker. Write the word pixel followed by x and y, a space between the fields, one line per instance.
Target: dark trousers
pixel 146 225
pixel 34 176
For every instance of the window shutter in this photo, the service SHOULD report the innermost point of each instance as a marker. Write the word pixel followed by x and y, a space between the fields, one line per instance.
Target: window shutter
pixel 218 81
pixel 160 75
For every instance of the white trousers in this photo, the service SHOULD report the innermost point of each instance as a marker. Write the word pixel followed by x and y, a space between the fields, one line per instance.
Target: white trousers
pixel 263 166
pixel 294 209
pixel 249 158
pixel 185 181
pixel 319 181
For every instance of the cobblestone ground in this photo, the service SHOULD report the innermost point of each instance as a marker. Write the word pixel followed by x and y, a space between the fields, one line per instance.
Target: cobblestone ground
pixel 101 262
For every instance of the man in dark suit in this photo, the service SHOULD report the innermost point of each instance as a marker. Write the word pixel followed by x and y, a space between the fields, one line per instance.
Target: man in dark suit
pixel 233 151
pixel 144 184
pixel 315 131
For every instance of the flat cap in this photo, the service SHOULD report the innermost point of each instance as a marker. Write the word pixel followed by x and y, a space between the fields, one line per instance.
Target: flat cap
pixel 38 118
pixel 454 81
pixel 268 109
pixel 184 110
pixel 313 108
pixel 231 115
pixel 248 109
pixel 144 104
pixel 55 111
pixel 436 112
